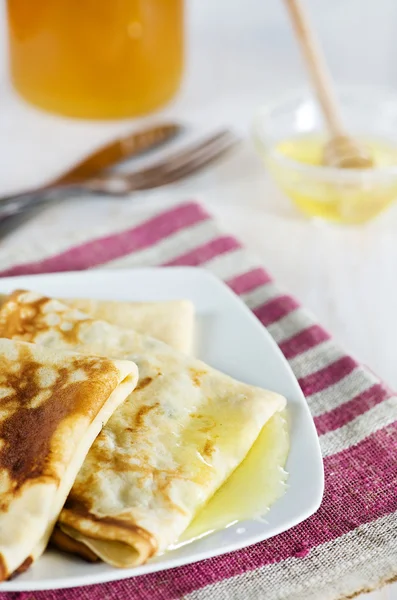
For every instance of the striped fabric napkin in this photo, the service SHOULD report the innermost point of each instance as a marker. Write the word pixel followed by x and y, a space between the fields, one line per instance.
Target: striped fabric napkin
pixel 350 544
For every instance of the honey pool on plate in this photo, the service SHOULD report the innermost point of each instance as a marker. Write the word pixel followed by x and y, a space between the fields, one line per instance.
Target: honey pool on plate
pixel 254 486
pixel 330 197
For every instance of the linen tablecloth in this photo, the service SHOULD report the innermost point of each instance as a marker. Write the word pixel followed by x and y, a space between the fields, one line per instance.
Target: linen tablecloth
pixel 350 544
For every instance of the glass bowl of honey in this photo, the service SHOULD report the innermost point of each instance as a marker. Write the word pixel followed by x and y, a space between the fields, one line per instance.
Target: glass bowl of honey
pixel 290 136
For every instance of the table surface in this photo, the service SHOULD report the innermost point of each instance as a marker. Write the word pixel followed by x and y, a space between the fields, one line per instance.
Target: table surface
pixel 236 62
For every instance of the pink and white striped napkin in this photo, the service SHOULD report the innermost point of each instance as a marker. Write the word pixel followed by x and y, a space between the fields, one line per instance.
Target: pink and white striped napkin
pixel 350 544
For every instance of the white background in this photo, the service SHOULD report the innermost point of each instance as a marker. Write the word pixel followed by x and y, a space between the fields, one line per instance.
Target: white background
pixel 240 54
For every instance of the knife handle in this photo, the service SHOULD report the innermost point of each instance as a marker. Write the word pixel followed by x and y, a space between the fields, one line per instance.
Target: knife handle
pixel 119 150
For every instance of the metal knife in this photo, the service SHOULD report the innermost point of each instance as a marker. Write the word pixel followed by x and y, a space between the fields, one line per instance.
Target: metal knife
pixel 119 150
pixel 107 156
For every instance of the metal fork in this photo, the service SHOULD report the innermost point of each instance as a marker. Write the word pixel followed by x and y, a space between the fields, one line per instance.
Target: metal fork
pixel 171 169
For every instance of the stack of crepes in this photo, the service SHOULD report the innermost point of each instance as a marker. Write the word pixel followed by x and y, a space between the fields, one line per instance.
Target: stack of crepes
pixel 177 428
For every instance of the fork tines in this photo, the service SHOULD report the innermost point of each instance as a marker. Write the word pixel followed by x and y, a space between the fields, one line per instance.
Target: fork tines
pixel 174 167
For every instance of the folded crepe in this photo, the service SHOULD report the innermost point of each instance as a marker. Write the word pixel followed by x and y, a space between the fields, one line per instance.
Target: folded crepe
pixel 52 406
pixel 171 322
pixel 165 450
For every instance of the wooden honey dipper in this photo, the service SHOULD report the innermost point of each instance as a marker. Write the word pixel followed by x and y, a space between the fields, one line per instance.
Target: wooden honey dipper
pixel 341 151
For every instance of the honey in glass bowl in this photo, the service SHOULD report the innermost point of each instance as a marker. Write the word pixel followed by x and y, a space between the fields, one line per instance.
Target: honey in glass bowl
pixel 96 58
pixel 291 136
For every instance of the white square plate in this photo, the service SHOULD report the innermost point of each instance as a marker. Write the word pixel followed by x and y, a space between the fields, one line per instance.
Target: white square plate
pixel 230 338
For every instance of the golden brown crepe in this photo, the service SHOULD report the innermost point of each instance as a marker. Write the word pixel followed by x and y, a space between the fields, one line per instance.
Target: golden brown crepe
pixel 164 452
pixel 171 322
pixel 52 406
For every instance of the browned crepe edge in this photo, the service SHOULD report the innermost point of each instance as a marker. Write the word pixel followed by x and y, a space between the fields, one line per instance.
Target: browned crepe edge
pixel 108 529
pixel 64 542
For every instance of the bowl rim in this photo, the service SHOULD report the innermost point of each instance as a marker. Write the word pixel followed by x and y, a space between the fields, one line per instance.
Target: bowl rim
pixel 322 172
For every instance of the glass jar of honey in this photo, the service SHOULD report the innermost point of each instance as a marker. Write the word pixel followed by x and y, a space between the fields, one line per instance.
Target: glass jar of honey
pixel 96 58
